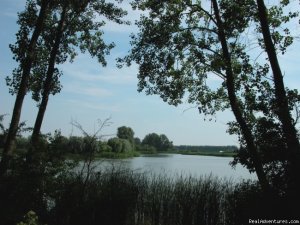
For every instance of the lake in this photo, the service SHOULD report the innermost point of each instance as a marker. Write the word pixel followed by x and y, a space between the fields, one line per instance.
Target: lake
pixel 176 164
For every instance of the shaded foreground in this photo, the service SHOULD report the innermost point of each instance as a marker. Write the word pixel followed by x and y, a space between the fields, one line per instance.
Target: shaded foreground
pixel 117 196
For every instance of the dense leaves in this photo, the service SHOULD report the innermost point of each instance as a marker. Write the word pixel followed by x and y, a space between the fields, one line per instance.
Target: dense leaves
pixel 202 52
pixel 80 32
pixel 158 142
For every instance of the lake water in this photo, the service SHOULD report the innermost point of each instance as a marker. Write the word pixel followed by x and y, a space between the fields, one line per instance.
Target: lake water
pixel 186 165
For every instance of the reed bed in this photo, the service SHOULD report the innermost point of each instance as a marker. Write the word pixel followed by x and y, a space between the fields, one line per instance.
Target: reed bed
pixel 123 197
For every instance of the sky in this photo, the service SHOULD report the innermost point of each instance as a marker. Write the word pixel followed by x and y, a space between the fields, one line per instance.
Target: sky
pixel 91 92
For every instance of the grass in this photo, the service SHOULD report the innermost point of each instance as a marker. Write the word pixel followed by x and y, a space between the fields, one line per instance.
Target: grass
pixel 118 196
pixel 122 197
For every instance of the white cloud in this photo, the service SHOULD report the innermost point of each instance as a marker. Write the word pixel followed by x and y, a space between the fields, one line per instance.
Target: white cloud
pixel 111 75
pixel 92 105
pixel 87 90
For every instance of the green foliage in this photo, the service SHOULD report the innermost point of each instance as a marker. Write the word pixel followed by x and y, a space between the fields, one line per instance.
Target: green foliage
pixel 182 45
pixel 58 142
pixel 119 145
pixel 125 133
pixel 119 196
pixel 115 144
pixel 104 147
pixel 32 183
pixel 147 149
pixel 206 148
pixel 30 219
pixel 158 142
pixel 79 32
pixel 75 143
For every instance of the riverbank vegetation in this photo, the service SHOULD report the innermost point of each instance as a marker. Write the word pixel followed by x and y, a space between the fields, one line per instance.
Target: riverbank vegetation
pixel 222 151
pixel 119 197
pixel 124 145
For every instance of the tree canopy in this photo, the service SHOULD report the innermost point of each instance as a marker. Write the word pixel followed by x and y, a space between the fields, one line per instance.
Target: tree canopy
pixel 125 133
pixel 182 45
pixel 159 142
pixel 52 32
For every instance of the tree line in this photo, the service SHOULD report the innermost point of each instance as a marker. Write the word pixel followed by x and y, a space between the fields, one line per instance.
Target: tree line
pixel 206 148
pixel 124 143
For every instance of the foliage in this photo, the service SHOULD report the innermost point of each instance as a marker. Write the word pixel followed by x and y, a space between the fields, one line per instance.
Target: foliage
pixel 104 147
pixel 209 148
pixel 117 196
pixel 182 45
pixel 31 186
pixel 125 133
pixel 119 145
pixel 80 32
pixel 147 149
pixel 30 219
pixel 159 142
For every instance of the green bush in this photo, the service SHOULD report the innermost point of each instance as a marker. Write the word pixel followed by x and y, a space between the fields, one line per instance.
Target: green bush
pixel 30 219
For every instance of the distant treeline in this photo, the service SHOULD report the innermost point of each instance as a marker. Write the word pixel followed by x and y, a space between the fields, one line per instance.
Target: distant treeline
pixel 206 148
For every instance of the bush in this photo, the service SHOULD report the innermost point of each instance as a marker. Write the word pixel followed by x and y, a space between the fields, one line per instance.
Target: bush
pixel 30 219
pixel 148 149
pixel 119 145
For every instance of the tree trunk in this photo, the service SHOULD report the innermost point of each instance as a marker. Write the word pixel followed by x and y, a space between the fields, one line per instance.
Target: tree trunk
pixel 48 81
pixel 235 106
pixel 282 111
pixel 26 67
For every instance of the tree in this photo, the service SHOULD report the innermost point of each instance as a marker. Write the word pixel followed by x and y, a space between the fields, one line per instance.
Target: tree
pixel 159 142
pixel 119 145
pixel 115 144
pixel 181 44
pixel 76 27
pixel 75 144
pixel 282 101
pixel 59 143
pixel 126 133
pixel 24 53
pixel 165 144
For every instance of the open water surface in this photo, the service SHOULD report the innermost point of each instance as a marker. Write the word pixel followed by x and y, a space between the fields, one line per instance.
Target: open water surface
pixel 176 164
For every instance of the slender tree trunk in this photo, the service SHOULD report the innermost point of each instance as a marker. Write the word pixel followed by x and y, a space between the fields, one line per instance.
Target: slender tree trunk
pixel 49 79
pixel 26 67
pixel 280 93
pixel 235 106
pixel 282 111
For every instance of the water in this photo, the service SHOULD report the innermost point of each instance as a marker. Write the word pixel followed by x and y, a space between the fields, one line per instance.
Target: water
pixel 176 164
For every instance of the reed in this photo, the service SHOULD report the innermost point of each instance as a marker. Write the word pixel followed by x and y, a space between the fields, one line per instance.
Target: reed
pixel 119 196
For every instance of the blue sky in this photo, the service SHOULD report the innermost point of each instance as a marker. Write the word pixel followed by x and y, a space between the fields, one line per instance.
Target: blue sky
pixel 91 92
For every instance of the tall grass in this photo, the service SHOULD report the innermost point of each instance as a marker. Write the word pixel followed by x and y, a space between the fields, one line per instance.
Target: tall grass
pixel 118 196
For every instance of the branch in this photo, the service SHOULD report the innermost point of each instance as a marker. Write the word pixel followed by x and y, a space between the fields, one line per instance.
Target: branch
pixel 203 10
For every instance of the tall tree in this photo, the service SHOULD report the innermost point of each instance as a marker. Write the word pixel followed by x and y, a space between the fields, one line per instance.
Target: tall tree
pixel 159 142
pixel 76 27
pixel 24 51
pixel 234 103
pixel 181 44
pixel 126 133
pixel 282 101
